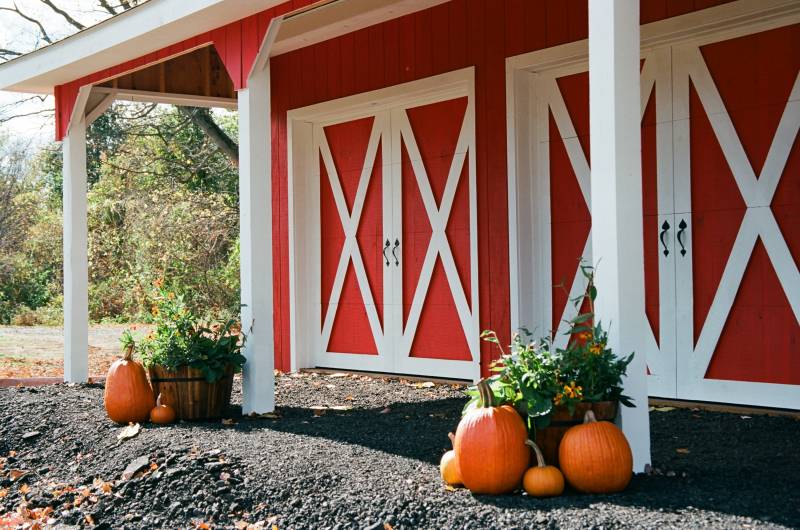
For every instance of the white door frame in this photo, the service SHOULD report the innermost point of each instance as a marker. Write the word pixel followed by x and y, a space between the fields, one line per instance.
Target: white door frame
pixel 529 270
pixel 387 104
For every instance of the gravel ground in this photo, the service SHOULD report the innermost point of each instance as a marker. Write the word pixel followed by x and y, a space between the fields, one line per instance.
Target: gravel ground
pixel 355 452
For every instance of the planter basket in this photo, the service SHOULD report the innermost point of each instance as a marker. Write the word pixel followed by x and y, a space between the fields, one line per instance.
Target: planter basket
pixel 549 438
pixel 188 392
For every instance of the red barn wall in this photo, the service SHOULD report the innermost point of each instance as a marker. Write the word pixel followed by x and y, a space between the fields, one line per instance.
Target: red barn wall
pixel 454 35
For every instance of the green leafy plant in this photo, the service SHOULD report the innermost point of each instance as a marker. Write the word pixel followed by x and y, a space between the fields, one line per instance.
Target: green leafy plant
pixel 535 378
pixel 179 338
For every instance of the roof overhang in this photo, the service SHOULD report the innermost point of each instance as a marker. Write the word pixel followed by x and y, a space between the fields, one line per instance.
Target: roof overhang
pixel 157 24
pixel 146 28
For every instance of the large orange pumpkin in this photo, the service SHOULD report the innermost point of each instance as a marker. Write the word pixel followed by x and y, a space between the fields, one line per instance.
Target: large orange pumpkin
pixel 595 457
pixel 490 446
pixel 128 396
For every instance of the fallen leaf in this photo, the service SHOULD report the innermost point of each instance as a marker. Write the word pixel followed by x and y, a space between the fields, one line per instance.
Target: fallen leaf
pixel 319 410
pixel 89 519
pixel 3 492
pixel 24 489
pixel 664 409
pixel 266 415
pixel 16 474
pixel 202 525
pixel 337 375
pixel 341 407
pixel 349 397
pixel 387 410
pixel 153 466
pixel 448 487
pixel 746 417
pixel 241 525
pixel 228 421
pixel 129 432
pixel 682 450
pixel 387 526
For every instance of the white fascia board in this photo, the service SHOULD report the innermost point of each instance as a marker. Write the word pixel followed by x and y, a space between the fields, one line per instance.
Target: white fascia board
pixel 339 17
pixel 147 28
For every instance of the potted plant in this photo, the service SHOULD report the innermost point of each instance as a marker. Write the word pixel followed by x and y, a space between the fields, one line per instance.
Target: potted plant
pixel 191 362
pixel 554 387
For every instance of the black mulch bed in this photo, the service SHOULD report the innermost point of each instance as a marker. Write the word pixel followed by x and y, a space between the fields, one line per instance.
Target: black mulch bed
pixel 372 466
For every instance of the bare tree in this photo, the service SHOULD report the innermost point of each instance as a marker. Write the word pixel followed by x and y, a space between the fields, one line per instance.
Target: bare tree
pixel 13 213
pixel 201 117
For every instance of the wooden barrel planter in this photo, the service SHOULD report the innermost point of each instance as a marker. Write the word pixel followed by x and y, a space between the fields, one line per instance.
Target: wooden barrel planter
pixel 187 391
pixel 549 438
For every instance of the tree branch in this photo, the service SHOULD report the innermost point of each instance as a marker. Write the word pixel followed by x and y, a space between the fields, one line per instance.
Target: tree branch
pixel 202 118
pixel 30 19
pixel 108 7
pixel 66 16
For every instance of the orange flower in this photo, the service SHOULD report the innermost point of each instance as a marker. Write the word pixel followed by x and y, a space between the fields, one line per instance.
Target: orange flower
pixel 159 283
pixel 171 296
pixel 596 348
pixel 154 311
pixel 585 335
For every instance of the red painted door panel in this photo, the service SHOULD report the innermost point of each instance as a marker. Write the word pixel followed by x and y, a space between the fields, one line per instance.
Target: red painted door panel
pixel 741 99
pixel 439 333
pixel 570 218
pixel 397 260
pixel 348 302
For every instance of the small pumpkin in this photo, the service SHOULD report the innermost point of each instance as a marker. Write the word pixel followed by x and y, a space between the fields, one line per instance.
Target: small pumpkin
pixel 542 480
pixel 128 397
pixel 448 467
pixel 490 446
pixel 595 457
pixel 162 413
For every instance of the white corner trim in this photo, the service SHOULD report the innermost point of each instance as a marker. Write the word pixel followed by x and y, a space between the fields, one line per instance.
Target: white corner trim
pixel 262 58
pixel 101 107
pixel 80 106
pixel 168 98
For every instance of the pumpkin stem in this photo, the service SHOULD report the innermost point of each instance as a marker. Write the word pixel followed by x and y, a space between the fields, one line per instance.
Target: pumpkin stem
pixel 128 352
pixel 158 400
pixel 589 417
pixel 452 438
pixel 486 394
pixel 539 456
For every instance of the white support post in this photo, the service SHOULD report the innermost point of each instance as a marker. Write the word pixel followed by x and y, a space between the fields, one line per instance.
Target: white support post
pixel 616 191
pixel 255 234
pixel 76 247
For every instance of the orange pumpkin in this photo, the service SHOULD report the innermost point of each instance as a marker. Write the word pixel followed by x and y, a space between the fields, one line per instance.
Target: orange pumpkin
pixel 162 413
pixel 542 480
pixel 490 446
pixel 128 397
pixel 595 457
pixel 448 467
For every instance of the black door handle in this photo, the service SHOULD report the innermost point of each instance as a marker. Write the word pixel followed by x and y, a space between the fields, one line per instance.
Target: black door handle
pixel 394 248
pixel 664 229
pixel 385 248
pixel 682 226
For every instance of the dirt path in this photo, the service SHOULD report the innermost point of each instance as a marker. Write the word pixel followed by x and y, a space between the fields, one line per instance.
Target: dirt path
pixel 39 351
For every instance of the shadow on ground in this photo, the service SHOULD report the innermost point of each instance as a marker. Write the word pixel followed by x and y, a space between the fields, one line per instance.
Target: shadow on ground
pixel 726 463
